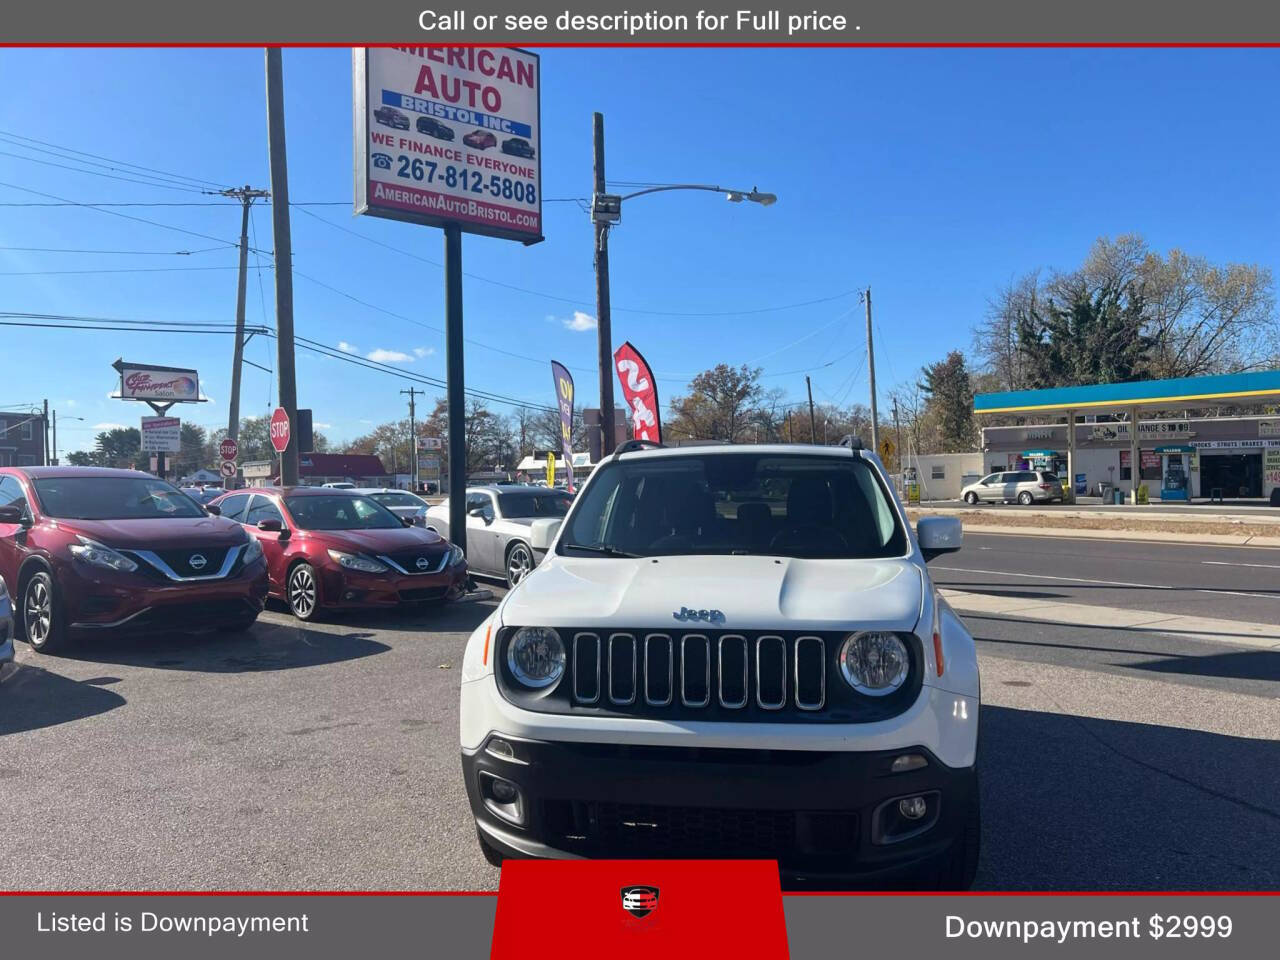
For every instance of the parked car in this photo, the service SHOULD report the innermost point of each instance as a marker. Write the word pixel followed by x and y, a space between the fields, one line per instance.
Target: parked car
pixel 328 549
pixel 402 503
pixel 203 494
pixel 518 147
pixel 1024 486
pixel 6 625
pixel 339 485
pixel 769 674
pixel 480 139
pixel 507 527
pixel 391 117
pixel 92 550
pixel 434 128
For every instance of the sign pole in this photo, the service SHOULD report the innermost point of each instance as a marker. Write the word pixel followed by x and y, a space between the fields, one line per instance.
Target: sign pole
pixel 288 391
pixel 457 399
pixel 604 329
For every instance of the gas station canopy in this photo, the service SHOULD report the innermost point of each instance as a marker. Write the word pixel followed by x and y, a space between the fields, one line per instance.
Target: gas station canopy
pixel 1238 388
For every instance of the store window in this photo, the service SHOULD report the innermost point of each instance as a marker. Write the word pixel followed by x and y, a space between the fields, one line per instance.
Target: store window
pixel 938 472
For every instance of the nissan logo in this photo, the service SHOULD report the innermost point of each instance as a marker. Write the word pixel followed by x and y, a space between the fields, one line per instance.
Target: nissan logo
pixel 197 561
pixel 423 563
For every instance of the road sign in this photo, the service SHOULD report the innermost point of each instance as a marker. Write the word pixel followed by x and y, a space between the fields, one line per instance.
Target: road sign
pixel 429 443
pixel 228 448
pixel 887 449
pixel 228 468
pixel 280 430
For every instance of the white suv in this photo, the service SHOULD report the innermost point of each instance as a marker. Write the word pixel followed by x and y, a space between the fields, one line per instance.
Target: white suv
pixel 731 651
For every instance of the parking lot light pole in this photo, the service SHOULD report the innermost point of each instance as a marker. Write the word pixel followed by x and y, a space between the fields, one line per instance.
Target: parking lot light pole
pixel 606 210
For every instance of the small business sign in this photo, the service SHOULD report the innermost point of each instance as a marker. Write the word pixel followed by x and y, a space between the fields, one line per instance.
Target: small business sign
pixel 1271 469
pixel 450 135
pixel 139 381
pixel 1269 428
pixel 429 443
pixel 1147 430
pixel 161 435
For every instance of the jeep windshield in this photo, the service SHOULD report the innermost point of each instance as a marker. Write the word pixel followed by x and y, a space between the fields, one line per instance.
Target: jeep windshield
pixel 782 505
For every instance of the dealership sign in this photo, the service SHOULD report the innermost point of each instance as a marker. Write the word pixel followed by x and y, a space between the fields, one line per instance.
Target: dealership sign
pixel 161 435
pixel 450 135
pixel 158 384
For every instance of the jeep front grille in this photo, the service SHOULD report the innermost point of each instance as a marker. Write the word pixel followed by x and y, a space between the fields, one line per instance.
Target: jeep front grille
pixel 733 670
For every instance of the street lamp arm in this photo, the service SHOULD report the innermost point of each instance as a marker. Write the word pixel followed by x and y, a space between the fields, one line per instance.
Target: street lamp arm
pixel 675 186
pixel 755 196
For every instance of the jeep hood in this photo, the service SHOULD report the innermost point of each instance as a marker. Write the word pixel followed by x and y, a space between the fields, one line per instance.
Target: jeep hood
pixel 754 593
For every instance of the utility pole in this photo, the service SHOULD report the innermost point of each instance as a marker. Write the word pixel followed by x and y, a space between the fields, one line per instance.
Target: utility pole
pixel 45 423
pixel 246 195
pixel 897 428
pixel 789 438
pixel 604 332
pixel 455 371
pixel 813 430
pixel 53 457
pixel 283 260
pixel 871 374
pixel 413 435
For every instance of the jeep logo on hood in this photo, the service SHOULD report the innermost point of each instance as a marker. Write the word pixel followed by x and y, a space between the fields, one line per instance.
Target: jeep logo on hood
pixel 685 615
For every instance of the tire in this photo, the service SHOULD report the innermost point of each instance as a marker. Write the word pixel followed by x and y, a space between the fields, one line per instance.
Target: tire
pixel 1025 499
pixel 961 868
pixel 971 498
pixel 40 614
pixel 493 857
pixel 520 563
pixel 302 592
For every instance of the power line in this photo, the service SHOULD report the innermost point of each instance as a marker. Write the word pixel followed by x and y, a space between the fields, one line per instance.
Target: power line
pixel 131 253
pixel 99 173
pixel 118 163
pixel 51 273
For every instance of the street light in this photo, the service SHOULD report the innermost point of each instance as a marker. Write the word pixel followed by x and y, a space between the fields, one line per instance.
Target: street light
pixel 606 210
pixel 54 457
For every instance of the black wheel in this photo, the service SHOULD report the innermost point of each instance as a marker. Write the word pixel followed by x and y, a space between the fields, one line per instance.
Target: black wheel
pixel 303 592
pixel 962 865
pixel 971 498
pixel 1025 498
pixel 40 614
pixel 520 563
pixel 490 854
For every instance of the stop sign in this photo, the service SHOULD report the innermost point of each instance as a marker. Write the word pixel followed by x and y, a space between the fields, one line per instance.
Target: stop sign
pixel 228 448
pixel 280 430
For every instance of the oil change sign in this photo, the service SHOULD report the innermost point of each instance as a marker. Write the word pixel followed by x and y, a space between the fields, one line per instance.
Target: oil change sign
pixel 450 135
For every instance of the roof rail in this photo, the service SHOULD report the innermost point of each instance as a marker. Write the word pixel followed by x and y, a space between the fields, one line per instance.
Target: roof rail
pixel 631 446
pixel 852 442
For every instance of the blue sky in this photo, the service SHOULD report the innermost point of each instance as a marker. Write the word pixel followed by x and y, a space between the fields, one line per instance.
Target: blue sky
pixel 933 176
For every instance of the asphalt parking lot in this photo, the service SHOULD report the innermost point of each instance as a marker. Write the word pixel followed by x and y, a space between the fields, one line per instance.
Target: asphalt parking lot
pixel 325 757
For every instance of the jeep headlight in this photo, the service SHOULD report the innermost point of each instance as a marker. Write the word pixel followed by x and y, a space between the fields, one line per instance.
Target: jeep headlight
pixel 99 555
pixel 535 657
pixel 353 561
pixel 874 663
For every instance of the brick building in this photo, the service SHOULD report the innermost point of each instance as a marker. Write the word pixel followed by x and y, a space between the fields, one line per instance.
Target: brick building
pixel 21 438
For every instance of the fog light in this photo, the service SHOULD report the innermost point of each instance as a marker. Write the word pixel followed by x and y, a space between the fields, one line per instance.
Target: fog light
pixel 906 762
pixel 913 808
pixel 504 791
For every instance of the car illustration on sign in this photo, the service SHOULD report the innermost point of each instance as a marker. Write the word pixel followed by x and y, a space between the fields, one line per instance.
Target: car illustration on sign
pixel 639 901
pixel 480 139
pixel 518 147
pixel 815 701
pixel 382 160
pixel 434 128
pixel 391 117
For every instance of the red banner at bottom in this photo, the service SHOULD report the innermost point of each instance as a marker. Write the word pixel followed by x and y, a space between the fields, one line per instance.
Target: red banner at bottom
pixel 639 908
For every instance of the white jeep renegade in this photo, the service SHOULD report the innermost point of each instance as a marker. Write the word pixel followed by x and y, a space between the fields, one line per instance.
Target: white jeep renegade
pixel 731 651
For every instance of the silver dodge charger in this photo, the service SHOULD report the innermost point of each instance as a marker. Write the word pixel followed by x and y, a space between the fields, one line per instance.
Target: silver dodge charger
pixel 508 527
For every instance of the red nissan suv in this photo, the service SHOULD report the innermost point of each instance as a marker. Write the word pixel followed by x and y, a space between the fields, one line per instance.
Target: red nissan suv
pixel 331 548
pixel 90 550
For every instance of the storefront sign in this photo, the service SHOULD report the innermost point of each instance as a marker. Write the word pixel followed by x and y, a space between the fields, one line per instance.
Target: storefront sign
pixel 1269 428
pixel 1147 430
pixel 1234 444
pixel 161 435
pixel 158 384
pixel 1271 469
pixel 1043 433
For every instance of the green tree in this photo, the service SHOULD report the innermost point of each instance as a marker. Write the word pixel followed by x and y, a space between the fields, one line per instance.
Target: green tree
pixel 1092 338
pixel 948 397
pixel 719 405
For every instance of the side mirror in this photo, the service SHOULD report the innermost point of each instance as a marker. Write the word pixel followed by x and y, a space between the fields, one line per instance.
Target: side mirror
pixel 270 525
pixel 407 521
pixel 11 514
pixel 939 535
pixel 476 512
pixel 213 509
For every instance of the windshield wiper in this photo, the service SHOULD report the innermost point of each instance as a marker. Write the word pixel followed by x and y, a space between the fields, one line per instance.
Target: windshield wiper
pixel 603 549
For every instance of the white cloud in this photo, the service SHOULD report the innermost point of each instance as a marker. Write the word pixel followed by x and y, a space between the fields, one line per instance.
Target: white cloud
pixel 580 322
pixel 68 403
pixel 366 421
pixel 423 351
pixel 382 355
pixel 347 347
pixel 109 426
pixel 323 426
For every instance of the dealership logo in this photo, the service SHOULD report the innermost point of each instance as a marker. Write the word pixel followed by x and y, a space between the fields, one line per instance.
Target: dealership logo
pixel 639 901
pixel 197 561
pixel 685 615
pixel 423 563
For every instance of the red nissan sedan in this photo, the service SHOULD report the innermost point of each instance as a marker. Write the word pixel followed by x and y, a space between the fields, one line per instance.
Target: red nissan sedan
pixel 91 550
pixel 329 548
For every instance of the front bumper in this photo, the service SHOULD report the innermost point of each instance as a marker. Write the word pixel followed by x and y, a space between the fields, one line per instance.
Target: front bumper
pixel 343 588
pixel 98 602
pixel 824 816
